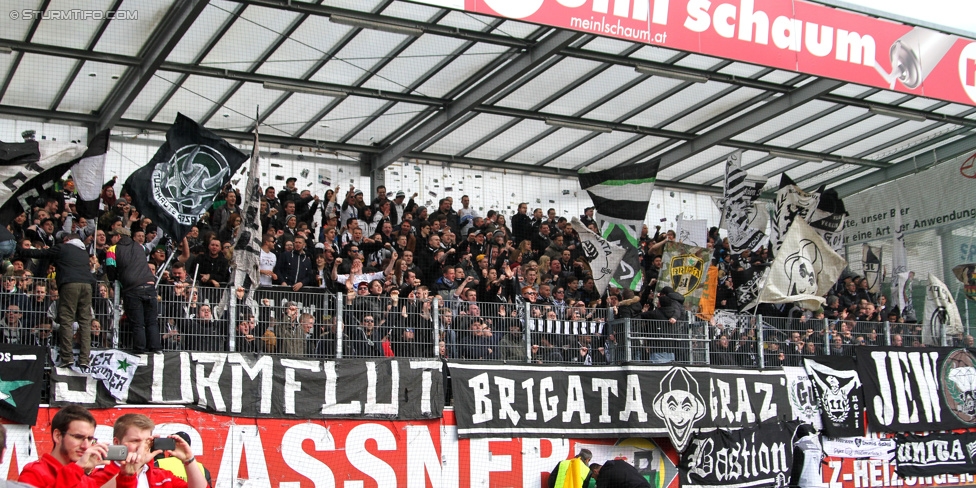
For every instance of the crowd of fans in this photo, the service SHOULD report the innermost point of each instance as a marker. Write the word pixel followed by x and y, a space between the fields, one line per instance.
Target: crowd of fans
pixel 400 267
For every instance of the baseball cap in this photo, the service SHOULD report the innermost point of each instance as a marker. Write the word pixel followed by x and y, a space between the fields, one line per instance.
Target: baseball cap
pixel 357 192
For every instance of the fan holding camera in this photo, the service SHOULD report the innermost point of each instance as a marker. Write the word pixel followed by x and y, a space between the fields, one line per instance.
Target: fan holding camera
pixel 135 433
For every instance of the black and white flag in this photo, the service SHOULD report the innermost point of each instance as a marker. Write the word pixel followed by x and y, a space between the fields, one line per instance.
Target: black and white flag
pixel 755 456
pixel 21 382
pixel 89 175
pixel 942 318
pixel 29 170
pixel 871 264
pixel 693 232
pixel 839 395
pixel 603 257
pixel 745 220
pixel 828 219
pixel 791 203
pixel 804 269
pixel 182 180
pixel 247 247
pixel 620 197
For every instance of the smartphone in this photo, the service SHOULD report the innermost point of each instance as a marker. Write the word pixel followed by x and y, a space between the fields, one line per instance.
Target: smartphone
pixel 117 453
pixel 163 444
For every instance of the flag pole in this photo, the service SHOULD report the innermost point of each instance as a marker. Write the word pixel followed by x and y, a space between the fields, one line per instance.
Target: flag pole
pixel 160 271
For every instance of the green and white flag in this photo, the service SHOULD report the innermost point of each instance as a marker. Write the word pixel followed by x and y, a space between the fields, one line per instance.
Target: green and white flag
pixel 620 197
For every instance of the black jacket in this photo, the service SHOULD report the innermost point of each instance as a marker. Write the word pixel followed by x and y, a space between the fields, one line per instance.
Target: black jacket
pixel 71 262
pixel 620 474
pixel 130 266
pixel 293 267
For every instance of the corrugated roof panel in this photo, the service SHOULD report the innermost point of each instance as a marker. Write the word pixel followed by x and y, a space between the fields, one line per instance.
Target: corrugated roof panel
pixel 15 26
pixel 37 81
pixel 460 70
pixel 840 138
pixel 469 133
pixel 411 11
pixel 648 89
pixel 588 149
pixel 253 33
pixel 87 92
pixel 239 112
pixel 389 121
pixel 884 138
pixel 514 136
pixel 554 142
pixel 697 161
pixel 654 53
pixel 817 126
pixel 712 111
pixel 194 98
pixel 563 74
pixel 693 93
pixel 742 70
pixel 73 33
pixel 306 46
pixel 420 57
pixel 630 151
pixel 357 58
pixel 350 113
pixel 150 95
pixel 296 112
pixel 591 90
pixel 128 36
pixel 199 35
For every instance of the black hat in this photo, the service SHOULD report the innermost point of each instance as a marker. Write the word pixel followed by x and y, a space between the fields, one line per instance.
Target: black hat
pixel 667 290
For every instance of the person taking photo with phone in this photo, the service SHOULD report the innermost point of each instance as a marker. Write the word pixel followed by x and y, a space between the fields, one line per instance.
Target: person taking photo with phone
pixel 135 431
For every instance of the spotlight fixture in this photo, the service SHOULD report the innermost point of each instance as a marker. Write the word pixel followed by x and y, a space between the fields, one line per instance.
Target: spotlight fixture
pixel 896 113
pixel 6 50
pixel 304 89
pixel 795 155
pixel 376 25
pixel 577 125
pixel 671 73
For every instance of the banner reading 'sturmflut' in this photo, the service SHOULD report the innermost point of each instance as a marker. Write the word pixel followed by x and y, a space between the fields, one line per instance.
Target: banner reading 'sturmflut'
pixel 248 385
pixel 184 177
pixel 620 196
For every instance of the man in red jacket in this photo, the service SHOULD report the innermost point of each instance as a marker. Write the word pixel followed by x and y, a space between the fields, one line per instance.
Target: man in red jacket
pixel 76 460
pixel 135 431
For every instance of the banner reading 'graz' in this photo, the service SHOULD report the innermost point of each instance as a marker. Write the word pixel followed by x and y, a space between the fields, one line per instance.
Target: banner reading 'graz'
pixel 492 400
pixel 266 386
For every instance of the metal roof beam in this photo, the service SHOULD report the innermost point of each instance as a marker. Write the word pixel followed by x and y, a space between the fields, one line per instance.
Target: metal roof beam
pixel 171 29
pixel 522 64
pixel 427 27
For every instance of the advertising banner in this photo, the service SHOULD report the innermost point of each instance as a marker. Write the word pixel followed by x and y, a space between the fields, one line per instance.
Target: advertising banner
pixel 299 453
pixel 863 473
pixel 792 35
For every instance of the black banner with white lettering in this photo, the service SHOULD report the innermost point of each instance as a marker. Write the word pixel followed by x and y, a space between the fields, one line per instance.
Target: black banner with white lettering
pixel 757 456
pixel 492 400
pixel 918 389
pixel 839 395
pixel 21 382
pixel 268 386
pixel 935 454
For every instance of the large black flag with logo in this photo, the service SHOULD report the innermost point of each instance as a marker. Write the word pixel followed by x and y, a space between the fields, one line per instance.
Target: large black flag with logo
pixel 21 381
pixel 182 180
pixel 839 396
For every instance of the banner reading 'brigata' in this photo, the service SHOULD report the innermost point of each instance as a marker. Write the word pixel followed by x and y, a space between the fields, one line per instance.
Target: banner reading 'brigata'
pixel 786 34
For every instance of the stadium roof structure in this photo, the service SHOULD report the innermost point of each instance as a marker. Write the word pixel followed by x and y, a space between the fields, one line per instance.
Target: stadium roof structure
pixel 384 81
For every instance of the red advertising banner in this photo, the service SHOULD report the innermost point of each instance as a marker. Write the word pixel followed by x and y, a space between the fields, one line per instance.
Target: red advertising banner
pixel 792 35
pixel 281 453
pixel 863 473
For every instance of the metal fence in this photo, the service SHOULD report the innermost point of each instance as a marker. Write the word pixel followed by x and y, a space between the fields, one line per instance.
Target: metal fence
pixel 314 323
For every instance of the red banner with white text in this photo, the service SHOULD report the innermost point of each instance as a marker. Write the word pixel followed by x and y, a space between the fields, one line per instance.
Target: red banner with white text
pixel 280 453
pixel 793 35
